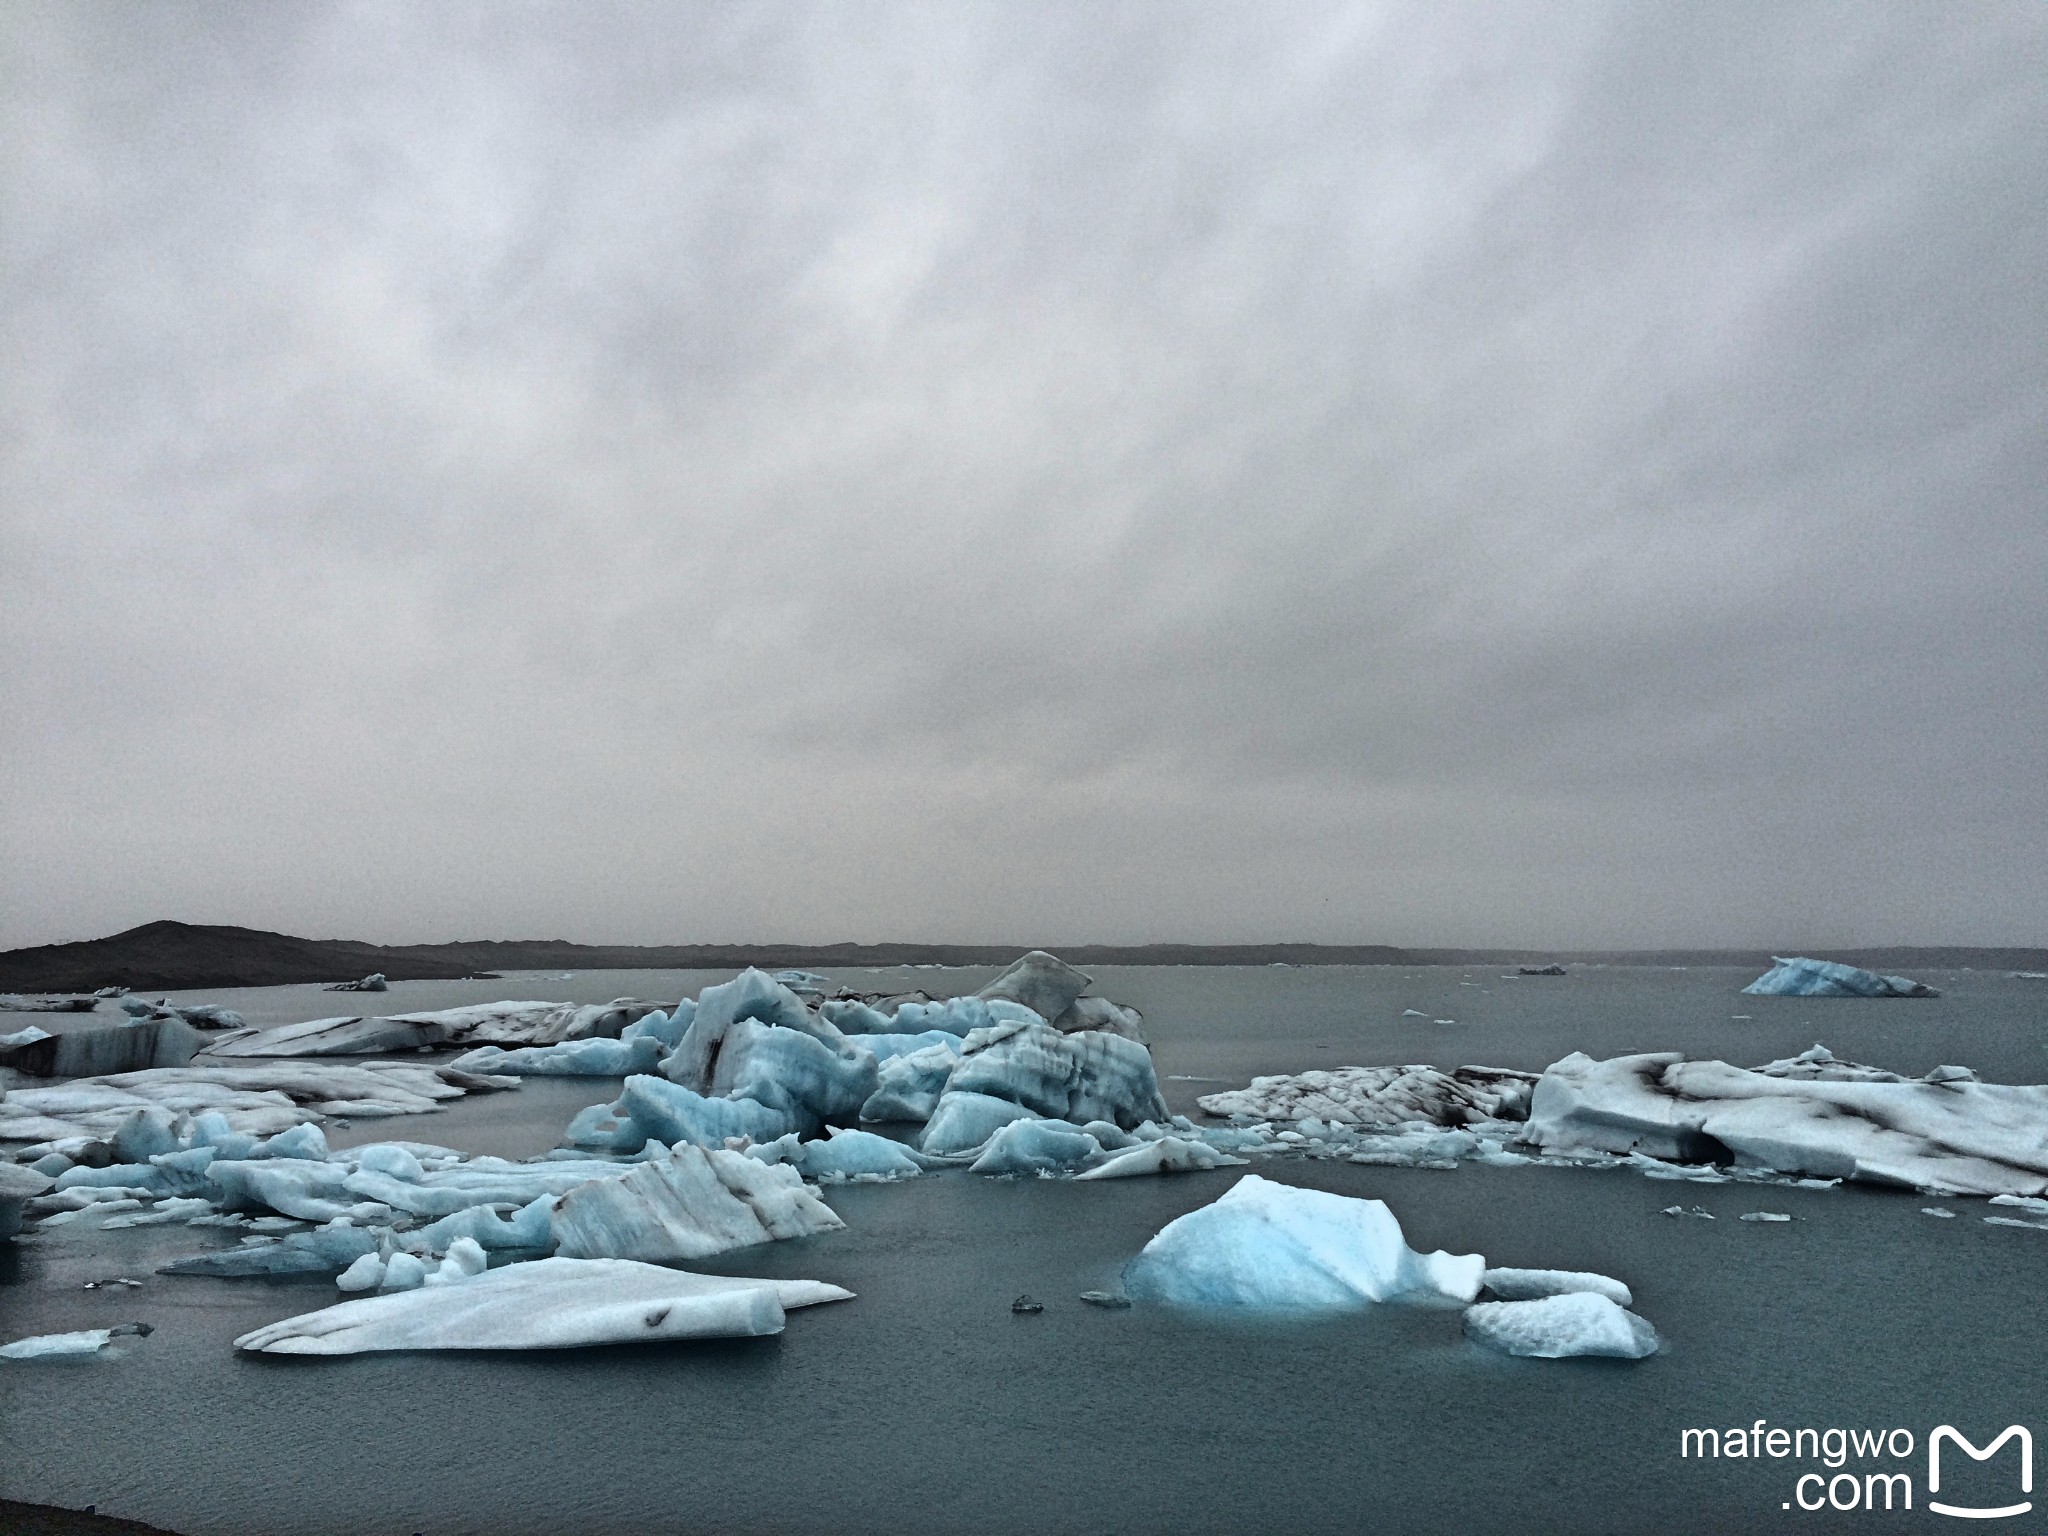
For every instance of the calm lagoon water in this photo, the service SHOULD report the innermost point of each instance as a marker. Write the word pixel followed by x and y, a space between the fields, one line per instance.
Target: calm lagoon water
pixel 926 1406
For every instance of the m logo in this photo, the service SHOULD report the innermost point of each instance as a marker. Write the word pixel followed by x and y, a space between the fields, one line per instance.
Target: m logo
pixel 1970 1512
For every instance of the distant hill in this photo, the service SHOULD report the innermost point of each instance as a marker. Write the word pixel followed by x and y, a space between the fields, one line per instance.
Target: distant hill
pixel 168 956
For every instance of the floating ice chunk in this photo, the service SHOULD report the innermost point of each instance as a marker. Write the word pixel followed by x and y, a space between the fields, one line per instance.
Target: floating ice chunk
pixel 403 1272
pixel 1763 1216
pixel 480 1181
pixel 665 1028
pixel 811 1080
pixel 18 1186
pixel 507 1023
pixel 1935 1210
pixel 891 1046
pixel 1557 1327
pixel 1085 1076
pixel 165 1213
pixel 308 1142
pixel 851 1154
pixel 964 1121
pixel 852 1017
pixel 1800 977
pixel 1951 1135
pixel 907 1087
pixel 1032 1146
pixel 321 1251
pixel 596 1057
pixel 751 995
pixel 1698 1212
pixel 1169 1154
pixel 529 1229
pixel 1534 1284
pixel 54 1346
pixel 290 1186
pixel 671 1113
pixel 603 1128
pixel 1044 983
pixel 688 1205
pixel 550 1304
pixel 1270 1245
pixel 365 1274
pixel 388 1157
pixel 1100 1013
pixel 1382 1096
pixel 464 1260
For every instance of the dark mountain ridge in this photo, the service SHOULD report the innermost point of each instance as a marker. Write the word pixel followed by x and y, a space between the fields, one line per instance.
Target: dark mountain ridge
pixel 168 955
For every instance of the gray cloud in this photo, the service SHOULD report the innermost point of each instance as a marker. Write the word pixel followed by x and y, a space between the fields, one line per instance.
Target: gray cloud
pixel 1415 473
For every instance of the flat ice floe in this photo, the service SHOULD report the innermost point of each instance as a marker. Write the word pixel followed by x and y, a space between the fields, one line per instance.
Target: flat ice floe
pixel 1809 1116
pixel 503 1024
pixel 1535 1284
pixel 1559 1327
pixel 1801 977
pixel 258 1098
pixel 558 1303
pixel 1271 1245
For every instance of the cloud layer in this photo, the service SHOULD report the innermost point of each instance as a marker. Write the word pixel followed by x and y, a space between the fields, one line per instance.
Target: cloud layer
pixel 1415 474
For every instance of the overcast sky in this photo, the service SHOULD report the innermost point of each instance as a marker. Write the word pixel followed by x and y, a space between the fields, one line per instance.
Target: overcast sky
pixel 1535 475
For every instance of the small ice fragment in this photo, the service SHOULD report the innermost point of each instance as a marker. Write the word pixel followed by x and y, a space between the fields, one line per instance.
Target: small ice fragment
pixel 1679 1210
pixel 1557 1327
pixel 1535 1284
pixel 404 1272
pixel 1108 1299
pixel 1443 1021
pixel 1935 1210
pixel 365 1274
pixel 51 1346
pixel 1413 1013
pixel 1026 1304
pixel 2009 1221
pixel 1764 1216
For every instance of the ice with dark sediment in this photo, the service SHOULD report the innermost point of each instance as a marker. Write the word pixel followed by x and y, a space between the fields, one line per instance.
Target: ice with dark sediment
pixel 557 1303
pixel 1382 1096
pixel 125 1047
pixel 1801 977
pixel 18 1186
pixel 1271 1245
pixel 1807 1116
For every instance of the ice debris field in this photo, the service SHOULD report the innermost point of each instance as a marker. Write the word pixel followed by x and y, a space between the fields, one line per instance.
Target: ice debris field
pixel 741 1107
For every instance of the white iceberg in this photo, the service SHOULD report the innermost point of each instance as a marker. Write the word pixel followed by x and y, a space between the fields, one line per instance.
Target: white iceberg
pixel 1271 1245
pixel 559 1303
pixel 1558 1327
pixel 1086 1076
pixel 1801 977
pixel 18 1186
pixel 1947 1132
pixel 964 1121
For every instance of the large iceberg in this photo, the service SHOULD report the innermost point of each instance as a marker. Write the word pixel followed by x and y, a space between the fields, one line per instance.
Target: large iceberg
pixel 558 1303
pixel 1044 983
pixel 1557 1327
pixel 1800 977
pixel 1946 1132
pixel 1271 1245
pixel 127 1047
pixel 1090 1075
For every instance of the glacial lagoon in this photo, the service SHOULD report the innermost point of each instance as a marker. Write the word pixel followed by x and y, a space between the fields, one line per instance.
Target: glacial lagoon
pixel 927 1405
